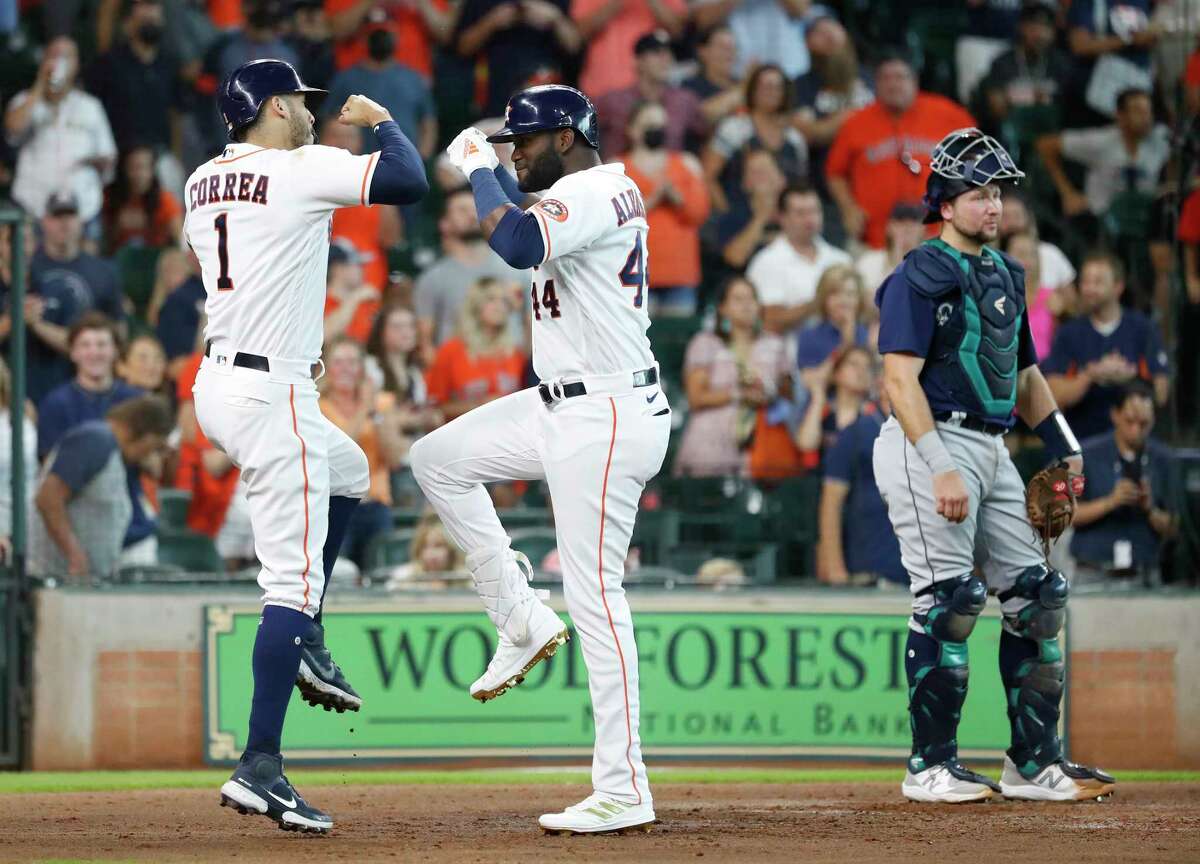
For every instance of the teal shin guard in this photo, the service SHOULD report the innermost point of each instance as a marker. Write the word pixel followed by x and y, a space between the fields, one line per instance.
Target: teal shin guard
pixel 1032 672
pixel 937 670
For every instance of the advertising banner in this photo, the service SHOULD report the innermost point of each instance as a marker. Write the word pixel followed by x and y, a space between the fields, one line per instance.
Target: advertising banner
pixel 712 683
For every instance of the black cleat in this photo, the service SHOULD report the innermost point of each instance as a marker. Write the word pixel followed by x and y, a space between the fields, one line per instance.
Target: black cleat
pixel 258 786
pixel 320 680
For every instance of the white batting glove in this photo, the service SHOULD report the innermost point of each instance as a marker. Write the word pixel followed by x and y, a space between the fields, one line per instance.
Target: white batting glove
pixel 470 150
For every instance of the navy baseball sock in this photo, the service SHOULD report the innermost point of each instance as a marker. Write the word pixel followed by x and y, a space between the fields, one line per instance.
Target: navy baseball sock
pixel 341 509
pixel 276 661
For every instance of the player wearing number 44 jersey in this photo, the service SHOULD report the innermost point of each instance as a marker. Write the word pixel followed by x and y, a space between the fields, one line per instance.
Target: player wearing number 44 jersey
pixel 258 218
pixel 595 429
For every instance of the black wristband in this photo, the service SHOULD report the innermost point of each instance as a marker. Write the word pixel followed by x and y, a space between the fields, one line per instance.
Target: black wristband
pixel 1060 441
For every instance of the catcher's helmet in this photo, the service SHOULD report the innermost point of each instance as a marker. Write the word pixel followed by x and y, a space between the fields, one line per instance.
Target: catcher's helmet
pixel 243 92
pixel 546 107
pixel 965 159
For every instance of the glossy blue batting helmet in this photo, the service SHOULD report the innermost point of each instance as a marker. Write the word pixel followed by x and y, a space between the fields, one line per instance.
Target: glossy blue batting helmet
pixel 548 107
pixel 251 84
pixel 965 159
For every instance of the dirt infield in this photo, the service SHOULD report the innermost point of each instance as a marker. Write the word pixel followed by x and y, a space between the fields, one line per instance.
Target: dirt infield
pixel 746 823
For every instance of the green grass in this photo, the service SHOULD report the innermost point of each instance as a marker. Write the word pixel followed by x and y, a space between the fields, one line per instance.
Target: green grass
pixel 110 781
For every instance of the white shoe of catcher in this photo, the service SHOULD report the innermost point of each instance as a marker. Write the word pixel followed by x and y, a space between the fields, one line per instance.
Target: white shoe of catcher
pixel 948 783
pixel 598 814
pixel 1059 781
pixel 529 630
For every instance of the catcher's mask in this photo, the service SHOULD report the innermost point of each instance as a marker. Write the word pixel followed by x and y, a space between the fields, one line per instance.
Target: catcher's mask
pixel 963 160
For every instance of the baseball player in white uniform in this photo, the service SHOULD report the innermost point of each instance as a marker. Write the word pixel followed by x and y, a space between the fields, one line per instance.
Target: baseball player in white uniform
pixel 258 217
pixel 595 429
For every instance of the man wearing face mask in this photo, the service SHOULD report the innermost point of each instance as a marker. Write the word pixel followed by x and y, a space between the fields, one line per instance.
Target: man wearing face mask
pixel 677 204
pixel 399 89
pixel 138 82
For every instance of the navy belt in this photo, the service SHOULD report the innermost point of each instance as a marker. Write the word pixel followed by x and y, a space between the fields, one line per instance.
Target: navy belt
pixel 643 378
pixel 246 361
pixel 975 424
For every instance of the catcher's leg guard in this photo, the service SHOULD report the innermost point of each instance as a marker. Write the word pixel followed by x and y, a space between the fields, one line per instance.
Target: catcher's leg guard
pixel 936 665
pixel 1032 669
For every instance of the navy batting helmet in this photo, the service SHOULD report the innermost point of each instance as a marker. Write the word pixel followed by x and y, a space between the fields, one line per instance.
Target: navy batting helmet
pixel 251 84
pixel 547 107
pixel 963 160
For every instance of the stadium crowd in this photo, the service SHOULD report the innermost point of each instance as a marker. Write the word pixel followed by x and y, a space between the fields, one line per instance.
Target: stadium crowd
pixel 782 149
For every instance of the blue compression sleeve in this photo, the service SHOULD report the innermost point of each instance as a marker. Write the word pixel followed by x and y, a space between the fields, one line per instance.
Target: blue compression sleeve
pixel 399 177
pixel 517 239
pixel 509 184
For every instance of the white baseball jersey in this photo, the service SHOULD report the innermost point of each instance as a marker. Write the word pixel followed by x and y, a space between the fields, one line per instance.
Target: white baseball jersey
pixel 259 220
pixel 589 293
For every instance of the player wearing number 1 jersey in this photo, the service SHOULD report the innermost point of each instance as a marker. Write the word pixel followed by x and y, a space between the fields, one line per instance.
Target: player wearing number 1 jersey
pixel 595 429
pixel 258 218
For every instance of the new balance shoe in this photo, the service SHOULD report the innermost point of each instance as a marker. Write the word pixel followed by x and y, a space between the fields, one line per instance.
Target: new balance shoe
pixel 947 783
pixel 1059 781
pixel 598 814
pixel 512 661
pixel 320 680
pixel 258 786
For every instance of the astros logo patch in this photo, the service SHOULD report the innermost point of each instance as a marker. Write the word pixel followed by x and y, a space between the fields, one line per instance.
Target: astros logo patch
pixel 553 208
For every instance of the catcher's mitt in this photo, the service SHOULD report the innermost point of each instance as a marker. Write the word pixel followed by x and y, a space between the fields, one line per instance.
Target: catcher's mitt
pixel 1050 501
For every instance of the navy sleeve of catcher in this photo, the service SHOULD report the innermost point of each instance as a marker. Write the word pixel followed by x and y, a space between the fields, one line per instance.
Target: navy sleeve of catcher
pixel 906 318
pixel 1026 352
pixel 399 176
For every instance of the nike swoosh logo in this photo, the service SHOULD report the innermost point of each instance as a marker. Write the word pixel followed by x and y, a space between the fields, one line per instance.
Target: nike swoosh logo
pixel 650 399
pixel 285 803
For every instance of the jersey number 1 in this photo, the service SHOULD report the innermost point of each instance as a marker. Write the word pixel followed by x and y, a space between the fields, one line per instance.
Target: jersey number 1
pixel 633 274
pixel 224 283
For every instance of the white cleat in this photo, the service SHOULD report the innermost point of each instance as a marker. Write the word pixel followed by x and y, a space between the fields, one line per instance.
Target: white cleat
pixel 599 814
pixel 512 662
pixel 948 783
pixel 1060 781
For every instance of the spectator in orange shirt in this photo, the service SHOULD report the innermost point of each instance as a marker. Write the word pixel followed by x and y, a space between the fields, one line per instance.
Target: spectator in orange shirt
pixel 676 207
pixel 1189 238
pixel 136 207
pixel 482 362
pixel 609 29
pixel 373 228
pixel 881 154
pixel 416 26
pixel 217 509
pixel 350 304
pixel 350 400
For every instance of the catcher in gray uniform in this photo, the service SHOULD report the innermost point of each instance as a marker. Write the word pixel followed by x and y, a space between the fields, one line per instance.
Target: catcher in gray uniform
pixel 958 359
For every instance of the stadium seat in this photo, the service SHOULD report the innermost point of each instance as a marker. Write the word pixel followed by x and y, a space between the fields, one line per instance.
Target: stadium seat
pixel 390 549
pixel 136 265
pixel 536 543
pixel 192 552
pixel 172 508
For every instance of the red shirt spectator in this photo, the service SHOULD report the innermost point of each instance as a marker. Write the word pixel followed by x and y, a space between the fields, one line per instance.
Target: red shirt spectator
pixel 675 196
pixel 203 470
pixel 881 154
pixel 137 208
pixel 415 26
pixel 610 28
pixel 481 363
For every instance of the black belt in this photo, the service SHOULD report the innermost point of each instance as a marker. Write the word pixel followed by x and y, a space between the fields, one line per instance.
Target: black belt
pixel 644 378
pixel 246 361
pixel 975 424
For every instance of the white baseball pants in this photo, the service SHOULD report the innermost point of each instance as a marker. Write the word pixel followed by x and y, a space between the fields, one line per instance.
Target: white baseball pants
pixel 596 453
pixel 292 459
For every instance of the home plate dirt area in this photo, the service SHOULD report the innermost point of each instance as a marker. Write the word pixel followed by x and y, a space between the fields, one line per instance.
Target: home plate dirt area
pixel 810 822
